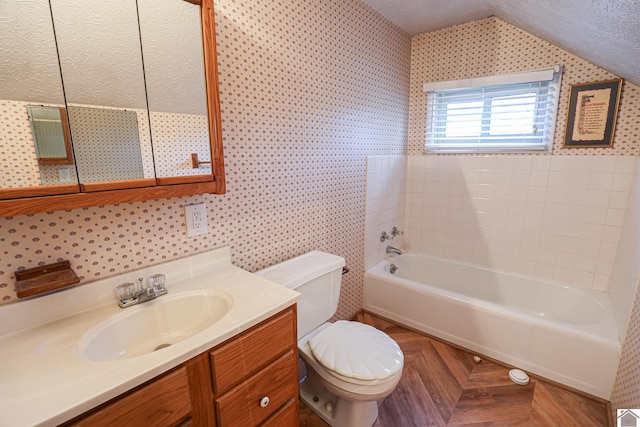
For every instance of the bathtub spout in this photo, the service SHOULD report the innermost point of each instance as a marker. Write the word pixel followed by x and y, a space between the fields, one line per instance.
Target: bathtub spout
pixel 392 250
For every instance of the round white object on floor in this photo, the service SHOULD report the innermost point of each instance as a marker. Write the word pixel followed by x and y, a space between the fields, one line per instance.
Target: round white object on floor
pixel 519 377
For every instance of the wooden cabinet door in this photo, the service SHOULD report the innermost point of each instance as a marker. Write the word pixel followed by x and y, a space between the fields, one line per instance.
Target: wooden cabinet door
pixel 164 402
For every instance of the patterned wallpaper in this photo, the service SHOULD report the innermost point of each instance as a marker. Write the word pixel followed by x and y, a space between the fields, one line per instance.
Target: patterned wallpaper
pixel 308 90
pixel 626 390
pixel 106 144
pixel 175 137
pixel 85 119
pixel 491 46
pixel 18 161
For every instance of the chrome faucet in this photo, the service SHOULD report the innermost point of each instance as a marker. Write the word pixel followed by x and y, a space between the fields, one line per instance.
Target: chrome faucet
pixel 392 250
pixel 128 294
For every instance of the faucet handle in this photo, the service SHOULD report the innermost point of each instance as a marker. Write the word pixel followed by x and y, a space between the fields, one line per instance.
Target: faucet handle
pixel 157 282
pixel 125 293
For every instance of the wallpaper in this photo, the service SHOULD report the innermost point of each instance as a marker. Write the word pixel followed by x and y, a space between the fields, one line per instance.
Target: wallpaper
pixel 491 46
pixel 106 144
pixel 308 90
pixel 175 137
pixel 18 161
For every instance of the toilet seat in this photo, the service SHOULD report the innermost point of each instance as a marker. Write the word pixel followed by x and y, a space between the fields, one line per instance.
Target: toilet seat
pixel 356 352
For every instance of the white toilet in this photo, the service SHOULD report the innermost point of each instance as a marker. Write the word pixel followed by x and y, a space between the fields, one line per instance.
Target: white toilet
pixel 349 366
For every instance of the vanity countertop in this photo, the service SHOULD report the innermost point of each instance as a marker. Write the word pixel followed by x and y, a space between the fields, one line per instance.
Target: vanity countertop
pixel 45 381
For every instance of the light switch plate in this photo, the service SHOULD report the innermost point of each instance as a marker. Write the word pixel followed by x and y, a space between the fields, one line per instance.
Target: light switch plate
pixel 196 219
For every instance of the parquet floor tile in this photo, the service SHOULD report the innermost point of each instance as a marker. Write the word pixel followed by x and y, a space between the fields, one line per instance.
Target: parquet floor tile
pixel 442 386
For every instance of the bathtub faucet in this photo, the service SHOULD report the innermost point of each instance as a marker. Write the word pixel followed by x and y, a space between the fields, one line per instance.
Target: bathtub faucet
pixel 392 250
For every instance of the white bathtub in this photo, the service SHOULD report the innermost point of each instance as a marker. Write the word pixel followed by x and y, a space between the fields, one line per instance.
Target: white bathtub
pixel 562 333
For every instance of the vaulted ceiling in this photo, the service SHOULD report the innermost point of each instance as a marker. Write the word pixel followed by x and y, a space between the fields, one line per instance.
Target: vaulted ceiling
pixel 604 32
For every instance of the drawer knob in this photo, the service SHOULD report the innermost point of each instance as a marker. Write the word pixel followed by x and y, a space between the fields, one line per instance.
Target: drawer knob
pixel 264 401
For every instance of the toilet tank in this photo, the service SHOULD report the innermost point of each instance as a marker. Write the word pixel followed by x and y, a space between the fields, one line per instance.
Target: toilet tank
pixel 317 276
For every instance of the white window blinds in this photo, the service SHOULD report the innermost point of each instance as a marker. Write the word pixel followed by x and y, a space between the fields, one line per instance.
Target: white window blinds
pixel 512 112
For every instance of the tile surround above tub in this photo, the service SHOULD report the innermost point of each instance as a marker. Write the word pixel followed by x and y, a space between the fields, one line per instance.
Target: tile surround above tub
pixel 552 217
pixel 385 204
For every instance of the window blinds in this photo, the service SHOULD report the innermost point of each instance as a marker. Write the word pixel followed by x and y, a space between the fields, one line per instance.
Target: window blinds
pixel 512 112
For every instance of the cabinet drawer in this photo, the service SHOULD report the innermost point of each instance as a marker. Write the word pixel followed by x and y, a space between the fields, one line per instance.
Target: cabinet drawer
pixel 163 402
pixel 241 406
pixel 287 416
pixel 232 362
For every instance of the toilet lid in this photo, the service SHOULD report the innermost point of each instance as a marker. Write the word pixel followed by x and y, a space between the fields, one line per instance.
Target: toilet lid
pixel 356 350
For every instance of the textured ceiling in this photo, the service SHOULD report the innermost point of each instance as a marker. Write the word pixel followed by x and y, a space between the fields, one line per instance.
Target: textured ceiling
pixel 604 32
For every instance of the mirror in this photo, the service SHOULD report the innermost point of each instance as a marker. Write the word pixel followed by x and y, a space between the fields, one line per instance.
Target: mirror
pixel 52 141
pixel 50 132
pixel 106 144
pixel 100 62
pixel 171 37
pixel 101 66
pixel 29 79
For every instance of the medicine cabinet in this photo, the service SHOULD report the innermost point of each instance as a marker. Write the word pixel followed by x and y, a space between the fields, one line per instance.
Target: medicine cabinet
pixel 107 103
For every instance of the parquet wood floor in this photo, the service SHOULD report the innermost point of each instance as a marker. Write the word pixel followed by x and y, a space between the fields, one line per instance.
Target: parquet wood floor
pixel 442 385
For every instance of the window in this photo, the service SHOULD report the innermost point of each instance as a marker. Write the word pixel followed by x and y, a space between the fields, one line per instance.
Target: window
pixel 508 113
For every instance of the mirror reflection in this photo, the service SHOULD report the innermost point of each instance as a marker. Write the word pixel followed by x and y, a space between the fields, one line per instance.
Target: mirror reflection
pixel 115 105
pixel 50 135
pixel 52 142
pixel 29 76
pixel 101 65
pixel 106 144
pixel 171 37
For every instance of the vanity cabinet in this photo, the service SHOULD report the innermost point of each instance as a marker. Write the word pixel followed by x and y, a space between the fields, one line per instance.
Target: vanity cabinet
pixel 249 380
pixel 161 402
pixel 252 373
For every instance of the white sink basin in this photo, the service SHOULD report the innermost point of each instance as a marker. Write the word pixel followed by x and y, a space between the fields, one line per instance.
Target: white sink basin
pixel 154 325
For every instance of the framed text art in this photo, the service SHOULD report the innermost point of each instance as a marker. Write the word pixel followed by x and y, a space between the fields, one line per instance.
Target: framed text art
pixel 591 119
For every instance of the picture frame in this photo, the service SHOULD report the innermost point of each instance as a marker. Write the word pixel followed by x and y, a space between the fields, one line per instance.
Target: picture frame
pixel 592 114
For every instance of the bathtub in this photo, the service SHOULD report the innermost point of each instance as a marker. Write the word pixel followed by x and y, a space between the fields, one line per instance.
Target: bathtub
pixel 558 332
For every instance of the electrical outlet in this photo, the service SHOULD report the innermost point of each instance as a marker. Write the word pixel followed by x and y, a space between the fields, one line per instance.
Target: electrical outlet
pixel 196 219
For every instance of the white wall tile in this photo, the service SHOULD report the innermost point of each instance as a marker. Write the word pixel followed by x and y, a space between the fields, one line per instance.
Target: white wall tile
pixel 553 217
pixel 601 181
pixel 621 182
pixel 606 164
pixel 581 164
pixel 386 203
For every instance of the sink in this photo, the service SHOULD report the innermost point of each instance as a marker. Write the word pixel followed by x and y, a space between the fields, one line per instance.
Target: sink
pixel 154 325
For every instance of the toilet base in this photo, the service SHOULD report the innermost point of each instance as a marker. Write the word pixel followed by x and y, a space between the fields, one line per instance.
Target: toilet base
pixel 336 411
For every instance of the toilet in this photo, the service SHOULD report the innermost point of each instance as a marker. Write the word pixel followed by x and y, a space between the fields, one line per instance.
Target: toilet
pixel 347 367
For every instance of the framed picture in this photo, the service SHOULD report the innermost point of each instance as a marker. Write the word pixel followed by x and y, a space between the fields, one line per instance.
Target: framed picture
pixel 591 119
